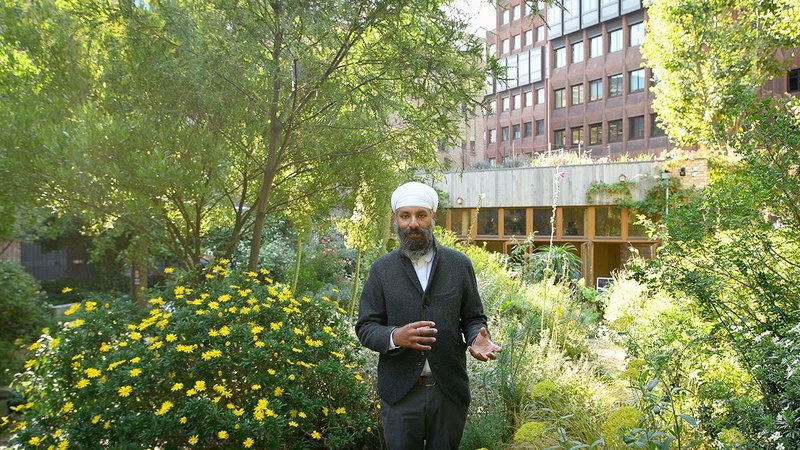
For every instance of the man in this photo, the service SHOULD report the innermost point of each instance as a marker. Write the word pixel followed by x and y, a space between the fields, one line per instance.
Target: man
pixel 419 309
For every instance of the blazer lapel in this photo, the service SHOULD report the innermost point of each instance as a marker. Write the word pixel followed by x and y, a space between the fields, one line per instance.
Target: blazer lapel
pixel 408 268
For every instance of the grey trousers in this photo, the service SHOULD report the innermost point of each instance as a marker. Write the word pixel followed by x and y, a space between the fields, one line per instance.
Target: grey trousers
pixel 424 419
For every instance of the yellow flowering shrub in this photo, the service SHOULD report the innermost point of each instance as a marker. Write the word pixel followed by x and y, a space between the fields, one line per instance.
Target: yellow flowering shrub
pixel 234 361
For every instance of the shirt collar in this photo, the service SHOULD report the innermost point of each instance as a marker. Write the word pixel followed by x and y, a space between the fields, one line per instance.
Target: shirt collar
pixel 426 258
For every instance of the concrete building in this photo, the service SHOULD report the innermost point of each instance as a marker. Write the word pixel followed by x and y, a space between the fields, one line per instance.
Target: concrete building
pixel 499 208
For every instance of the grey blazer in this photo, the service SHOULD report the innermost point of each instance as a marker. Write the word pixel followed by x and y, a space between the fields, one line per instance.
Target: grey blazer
pixel 393 297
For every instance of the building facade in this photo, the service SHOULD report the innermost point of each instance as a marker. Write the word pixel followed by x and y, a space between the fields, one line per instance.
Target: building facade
pixel 501 208
pixel 576 82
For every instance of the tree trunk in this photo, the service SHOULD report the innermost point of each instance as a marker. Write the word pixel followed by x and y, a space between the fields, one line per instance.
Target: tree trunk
pixel 354 290
pixel 298 259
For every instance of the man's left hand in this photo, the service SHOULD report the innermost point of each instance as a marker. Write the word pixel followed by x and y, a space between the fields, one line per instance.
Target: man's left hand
pixel 483 348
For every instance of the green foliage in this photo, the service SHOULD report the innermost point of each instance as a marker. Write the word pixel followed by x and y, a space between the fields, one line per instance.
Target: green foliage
pixel 613 192
pixel 196 115
pixel 23 313
pixel 558 262
pixel 233 362
pixel 618 424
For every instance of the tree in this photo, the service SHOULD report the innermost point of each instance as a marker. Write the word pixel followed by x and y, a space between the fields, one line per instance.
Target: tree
pixel 170 116
pixel 733 247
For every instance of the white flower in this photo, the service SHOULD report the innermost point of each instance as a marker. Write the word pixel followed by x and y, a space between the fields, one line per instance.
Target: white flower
pixel 775 436
pixel 779 446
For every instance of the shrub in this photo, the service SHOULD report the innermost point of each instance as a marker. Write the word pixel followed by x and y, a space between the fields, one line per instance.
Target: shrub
pixel 23 313
pixel 530 432
pixel 235 362
pixel 618 424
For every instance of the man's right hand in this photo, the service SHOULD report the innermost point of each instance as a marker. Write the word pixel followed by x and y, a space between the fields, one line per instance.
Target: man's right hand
pixel 415 335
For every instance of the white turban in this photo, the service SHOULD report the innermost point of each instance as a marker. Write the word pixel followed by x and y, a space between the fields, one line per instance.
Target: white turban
pixel 415 194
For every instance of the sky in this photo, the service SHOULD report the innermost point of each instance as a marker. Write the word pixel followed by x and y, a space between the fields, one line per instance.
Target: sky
pixel 480 14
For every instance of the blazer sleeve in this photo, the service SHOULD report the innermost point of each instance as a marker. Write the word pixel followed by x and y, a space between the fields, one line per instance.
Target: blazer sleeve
pixel 472 315
pixel 372 329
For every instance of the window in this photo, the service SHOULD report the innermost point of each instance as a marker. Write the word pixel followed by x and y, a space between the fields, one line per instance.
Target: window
pixel 595 90
pixel 576 136
pixel 459 221
pixel 793 81
pixel 506 47
pixel 636 80
pixel 505 134
pixel 614 41
pixel 560 57
pixel 529 37
pixel 636 127
pixel 528 98
pixel 517 132
pixel 577 52
pixel 527 129
pixel 506 17
pixel 540 33
pixel 595 134
pixel 559 138
pixel 506 103
pixel 635 229
pixel 572 219
pixel 472 146
pixel 596 46
pixel 440 145
pixel 541 221
pixel 517 103
pixel 515 14
pixel 577 94
pixel 492 50
pixel 540 96
pixel 637 34
pixel 558 99
pixel 615 130
pixel 492 136
pixel 517 43
pixel 487 221
pixel 655 128
pixel 540 127
pixel 615 85
pixel 514 222
pixel 607 221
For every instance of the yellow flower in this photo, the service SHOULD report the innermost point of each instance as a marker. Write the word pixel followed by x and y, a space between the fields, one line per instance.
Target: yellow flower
pixel 95 419
pixel 211 354
pixel 271 371
pixel 183 420
pixel 302 414
pixel 135 372
pixel 248 442
pixel 200 385
pixel 104 347
pixel 184 348
pixel 72 309
pixel 168 270
pixel 255 387
pixel 260 344
pixel 35 440
pixel 223 434
pixel 29 363
pixel 275 326
pixel 176 387
pixel 82 383
pixel 224 331
pixel 125 391
pixel 136 335
pixel 171 337
pixel 315 434
pixel 340 410
pixel 66 290
pixel 193 440
pixel 34 346
pixel 76 323
pixel 67 407
pixel 292 423
pixel 63 445
pixel 278 391
pixel 91 306
pixel 166 406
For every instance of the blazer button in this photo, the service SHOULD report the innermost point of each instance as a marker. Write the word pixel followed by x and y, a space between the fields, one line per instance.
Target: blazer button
pixel 422 353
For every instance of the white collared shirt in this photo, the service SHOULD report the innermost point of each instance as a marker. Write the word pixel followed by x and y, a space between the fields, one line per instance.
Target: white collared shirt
pixel 422 266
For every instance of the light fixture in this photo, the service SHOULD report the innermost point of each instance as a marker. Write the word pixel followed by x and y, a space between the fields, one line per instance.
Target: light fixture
pixel 622 177
pixel 665 174
pixel 460 201
pixel 682 172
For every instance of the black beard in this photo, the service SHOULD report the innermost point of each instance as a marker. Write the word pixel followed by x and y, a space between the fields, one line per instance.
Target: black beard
pixel 415 247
